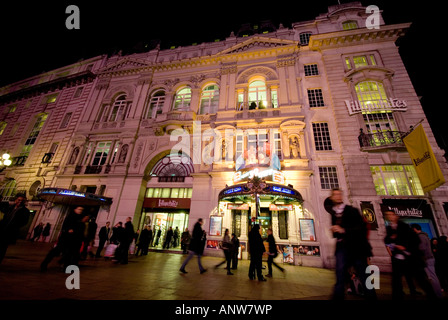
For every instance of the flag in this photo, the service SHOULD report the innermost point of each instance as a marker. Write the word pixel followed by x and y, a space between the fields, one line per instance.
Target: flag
pixel 423 159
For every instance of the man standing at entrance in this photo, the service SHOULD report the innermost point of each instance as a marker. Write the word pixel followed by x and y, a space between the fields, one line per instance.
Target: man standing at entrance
pixel 16 216
pixel 352 245
pixel 256 249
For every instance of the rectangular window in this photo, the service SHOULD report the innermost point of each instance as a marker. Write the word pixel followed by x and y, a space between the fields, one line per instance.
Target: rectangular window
pixel 360 61
pixel 101 153
pixel 328 178
pixel 274 98
pixel 2 127
pixel 304 38
pixel 34 134
pixel 66 120
pixel 311 70
pixel 78 92
pixel 322 136
pixel 399 180
pixel 348 64
pixel 315 98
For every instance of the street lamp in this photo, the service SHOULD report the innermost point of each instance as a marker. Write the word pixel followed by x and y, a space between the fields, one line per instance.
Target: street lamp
pixel 5 161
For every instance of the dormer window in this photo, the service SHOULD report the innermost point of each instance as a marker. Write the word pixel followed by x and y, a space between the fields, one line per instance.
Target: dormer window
pixel 350 25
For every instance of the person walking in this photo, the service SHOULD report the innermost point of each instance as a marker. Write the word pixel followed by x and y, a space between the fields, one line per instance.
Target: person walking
pixel 428 259
pixel 168 238
pixel 352 245
pixel 158 235
pixel 235 251
pixel 89 237
pixel 103 236
pixel 46 232
pixel 15 217
pixel 197 245
pixel 69 241
pixel 256 250
pixel 273 252
pixel 125 240
pixel 185 240
pixel 227 248
pixel 176 234
pixel 143 241
pixel 37 232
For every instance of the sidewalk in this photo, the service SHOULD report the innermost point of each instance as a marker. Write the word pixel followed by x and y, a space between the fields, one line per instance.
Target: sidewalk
pixel 157 277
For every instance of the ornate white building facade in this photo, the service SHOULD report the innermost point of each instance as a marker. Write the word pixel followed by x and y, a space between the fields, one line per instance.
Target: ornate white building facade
pixel 267 124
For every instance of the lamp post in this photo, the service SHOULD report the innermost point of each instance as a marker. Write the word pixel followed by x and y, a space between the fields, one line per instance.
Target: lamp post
pixel 5 161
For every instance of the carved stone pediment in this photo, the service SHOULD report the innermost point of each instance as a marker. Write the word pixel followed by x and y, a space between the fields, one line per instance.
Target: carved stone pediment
pixel 255 44
pixel 125 66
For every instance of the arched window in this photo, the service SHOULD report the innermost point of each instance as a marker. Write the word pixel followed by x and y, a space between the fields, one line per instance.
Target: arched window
pixel 173 168
pixel 155 104
pixel 182 99
pixel 374 103
pixel 257 96
pixel 209 99
pixel 349 25
pixel 119 108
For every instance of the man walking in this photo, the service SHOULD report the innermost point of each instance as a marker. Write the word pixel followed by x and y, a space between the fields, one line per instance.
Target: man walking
pixel 103 236
pixel 197 244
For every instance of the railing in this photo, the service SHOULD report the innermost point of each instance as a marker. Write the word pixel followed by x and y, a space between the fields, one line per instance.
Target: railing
pixel 254 105
pixel 93 169
pixel 380 139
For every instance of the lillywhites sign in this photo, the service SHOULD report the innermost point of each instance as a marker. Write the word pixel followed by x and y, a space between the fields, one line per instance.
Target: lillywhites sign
pixel 407 212
pixel 355 107
pixel 168 203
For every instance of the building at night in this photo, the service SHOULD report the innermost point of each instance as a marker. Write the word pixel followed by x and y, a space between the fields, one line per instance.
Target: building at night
pixel 258 127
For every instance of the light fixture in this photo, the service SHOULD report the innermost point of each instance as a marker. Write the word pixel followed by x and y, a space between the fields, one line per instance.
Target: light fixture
pixel 5 162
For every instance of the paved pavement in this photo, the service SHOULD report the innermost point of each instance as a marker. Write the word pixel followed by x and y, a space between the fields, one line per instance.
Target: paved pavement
pixel 157 277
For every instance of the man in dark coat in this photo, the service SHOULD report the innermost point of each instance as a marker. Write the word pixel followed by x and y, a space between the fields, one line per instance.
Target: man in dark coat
pixel 352 245
pixel 125 240
pixel 197 244
pixel 168 238
pixel 103 235
pixel 256 249
pixel 273 252
pixel 15 217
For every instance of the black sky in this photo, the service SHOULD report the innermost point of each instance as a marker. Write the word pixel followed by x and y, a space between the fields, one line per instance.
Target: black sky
pixel 34 38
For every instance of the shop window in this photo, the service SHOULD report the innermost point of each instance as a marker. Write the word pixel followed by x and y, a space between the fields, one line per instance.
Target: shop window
pixel 401 180
pixel 283 224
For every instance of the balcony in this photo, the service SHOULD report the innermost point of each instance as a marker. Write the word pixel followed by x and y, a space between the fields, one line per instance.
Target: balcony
pixel 380 140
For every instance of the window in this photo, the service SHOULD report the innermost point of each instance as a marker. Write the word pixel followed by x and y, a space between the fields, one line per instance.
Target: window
pixel 274 98
pixel 101 153
pixel 311 70
pixel 78 92
pixel 304 38
pixel 8 190
pixel 66 120
pixel 156 104
pixel 119 109
pixel 115 152
pixel 360 61
pixel 50 99
pixel 399 180
pixel 371 96
pixel 349 25
pixel 209 99
pixel 328 178
pixel 169 192
pixel 33 134
pixel 182 99
pixel 322 136
pixel 12 108
pixel 257 95
pixel 316 98
pixel 2 127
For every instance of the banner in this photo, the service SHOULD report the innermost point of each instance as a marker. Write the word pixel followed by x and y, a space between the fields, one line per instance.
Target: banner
pixel 425 163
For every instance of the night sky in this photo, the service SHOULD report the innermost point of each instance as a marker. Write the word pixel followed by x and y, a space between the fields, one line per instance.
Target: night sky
pixel 34 38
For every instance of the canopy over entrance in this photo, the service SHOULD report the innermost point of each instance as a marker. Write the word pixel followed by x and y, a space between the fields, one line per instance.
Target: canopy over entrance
pixel 71 197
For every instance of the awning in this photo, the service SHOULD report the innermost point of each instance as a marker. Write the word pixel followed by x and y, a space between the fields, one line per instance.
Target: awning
pixel 238 191
pixel 71 197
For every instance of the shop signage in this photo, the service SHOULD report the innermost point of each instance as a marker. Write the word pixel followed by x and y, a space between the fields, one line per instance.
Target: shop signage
pixel 233 190
pixel 243 206
pixel 355 107
pixel 268 174
pixel 280 207
pixel 282 190
pixel 413 208
pixel 169 203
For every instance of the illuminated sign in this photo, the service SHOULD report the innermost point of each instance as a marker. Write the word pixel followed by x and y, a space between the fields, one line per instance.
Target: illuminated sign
pixel 282 190
pixel 280 207
pixel 268 174
pixel 72 193
pixel 233 190
pixel 243 206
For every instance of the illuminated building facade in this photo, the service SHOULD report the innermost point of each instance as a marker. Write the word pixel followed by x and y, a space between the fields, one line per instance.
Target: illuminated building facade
pixel 258 127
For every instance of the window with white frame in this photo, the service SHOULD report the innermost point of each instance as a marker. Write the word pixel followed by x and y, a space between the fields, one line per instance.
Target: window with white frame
pixel 328 178
pixel 257 95
pixel 183 99
pixel 258 146
pixel 34 134
pixel 274 98
pixel 101 152
pixel 316 98
pixel 396 180
pixel 156 104
pixel 119 109
pixel 304 38
pixel 322 139
pixel 209 99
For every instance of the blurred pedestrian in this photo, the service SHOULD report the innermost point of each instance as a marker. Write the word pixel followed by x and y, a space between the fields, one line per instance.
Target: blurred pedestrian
pixel 124 242
pixel 226 246
pixel 103 236
pixel 168 238
pixel 69 241
pixel 143 241
pixel 272 254
pixel 428 259
pixel 46 232
pixel 158 235
pixel 117 230
pixel 196 247
pixel 176 234
pixel 235 251
pixel 37 232
pixel 15 217
pixel 256 250
pixel 185 240
pixel 352 245
pixel 90 227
